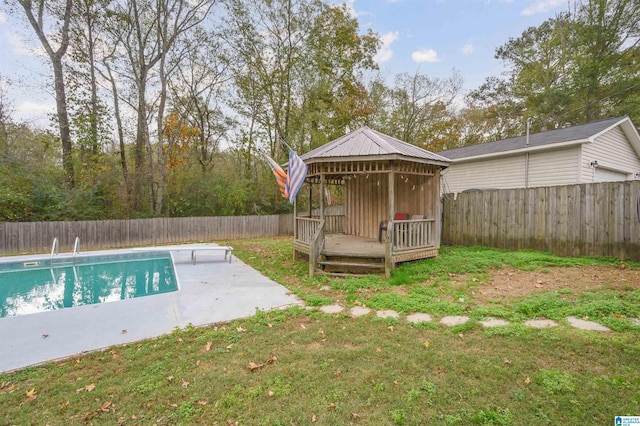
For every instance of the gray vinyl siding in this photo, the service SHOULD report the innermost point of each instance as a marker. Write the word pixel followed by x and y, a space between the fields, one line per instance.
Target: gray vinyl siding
pixel 506 172
pixel 611 150
pixel 556 167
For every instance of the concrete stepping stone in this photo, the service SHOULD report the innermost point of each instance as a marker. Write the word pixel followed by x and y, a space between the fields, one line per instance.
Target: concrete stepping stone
pixel 635 321
pixel 543 323
pixel 494 322
pixel 325 288
pixel 387 313
pixel 358 311
pixel 454 320
pixel 418 318
pixel 332 309
pixel 586 325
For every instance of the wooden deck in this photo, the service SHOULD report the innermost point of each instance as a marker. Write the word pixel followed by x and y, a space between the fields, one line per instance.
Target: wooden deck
pixel 352 246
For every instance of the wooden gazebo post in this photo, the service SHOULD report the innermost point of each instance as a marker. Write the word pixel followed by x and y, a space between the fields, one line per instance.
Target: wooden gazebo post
pixel 392 209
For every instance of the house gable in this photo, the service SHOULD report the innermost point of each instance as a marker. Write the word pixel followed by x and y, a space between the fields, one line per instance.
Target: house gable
pixel 616 149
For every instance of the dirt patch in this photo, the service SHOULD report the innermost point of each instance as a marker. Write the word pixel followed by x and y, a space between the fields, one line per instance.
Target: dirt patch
pixel 513 283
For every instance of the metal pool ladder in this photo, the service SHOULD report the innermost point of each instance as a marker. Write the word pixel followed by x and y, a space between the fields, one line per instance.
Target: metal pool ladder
pixel 55 248
pixel 76 248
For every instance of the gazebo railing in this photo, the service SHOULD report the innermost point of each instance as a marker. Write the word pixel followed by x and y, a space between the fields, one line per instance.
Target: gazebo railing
pixel 413 234
pixel 306 228
pixel 334 223
pixel 316 246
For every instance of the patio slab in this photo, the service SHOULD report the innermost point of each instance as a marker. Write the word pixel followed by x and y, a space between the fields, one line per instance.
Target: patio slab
pixel 418 318
pixel 454 320
pixel 209 292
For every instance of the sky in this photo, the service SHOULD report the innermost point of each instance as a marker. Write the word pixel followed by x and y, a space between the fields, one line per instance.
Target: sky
pixel 432 37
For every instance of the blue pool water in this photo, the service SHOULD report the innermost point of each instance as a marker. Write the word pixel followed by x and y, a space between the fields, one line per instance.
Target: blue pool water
pixel 38 286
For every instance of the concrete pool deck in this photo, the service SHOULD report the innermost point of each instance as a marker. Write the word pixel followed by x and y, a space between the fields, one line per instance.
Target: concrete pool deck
pixel 210 291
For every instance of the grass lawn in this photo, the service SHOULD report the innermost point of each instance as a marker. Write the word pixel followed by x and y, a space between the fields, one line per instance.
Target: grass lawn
pixel 302 367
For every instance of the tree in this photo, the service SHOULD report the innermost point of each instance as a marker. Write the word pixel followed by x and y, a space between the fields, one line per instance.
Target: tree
pixel 60 13
pixel 577 67
pixel 147 30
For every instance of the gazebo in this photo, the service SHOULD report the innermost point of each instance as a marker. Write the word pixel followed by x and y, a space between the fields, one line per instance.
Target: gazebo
pixel 390 188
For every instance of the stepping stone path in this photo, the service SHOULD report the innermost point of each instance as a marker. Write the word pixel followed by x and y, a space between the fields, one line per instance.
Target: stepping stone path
pixel 387 313
pixel 451 321
pixel 586 325
pixel 494 322
pixel 332 309
pixel 359 311
pixel 454 320
pixel 418 318
pixel 545 323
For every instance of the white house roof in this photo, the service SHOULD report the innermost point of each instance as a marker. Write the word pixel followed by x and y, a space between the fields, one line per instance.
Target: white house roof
pixel 574 134
pixel 366 143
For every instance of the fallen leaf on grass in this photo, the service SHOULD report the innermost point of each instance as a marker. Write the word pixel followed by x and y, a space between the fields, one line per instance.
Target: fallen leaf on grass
pixel 202 402
pixel 240 329
pixel 270 393
pixel 390 328
pixel 229 347
pixel 354 416
pixel 207 347
pixel 4 385
pixel 64 405
pixel 197 363
pixel 313 418
pixel 272 358
pixel 586 318
pixel 180 339
pixel 87 388
pixel 302 326
pixel 106 407
pixel 270 325
pixel 170 378
pixel 115 354
pixel 378 350
pixel 324 336
pixel 31 394
pixel 527 380
pixel 331 406
pixel 426 344
pixel 461 336
pixel 252 366
pixel 507 361
pixel 184 383
pixel 338 373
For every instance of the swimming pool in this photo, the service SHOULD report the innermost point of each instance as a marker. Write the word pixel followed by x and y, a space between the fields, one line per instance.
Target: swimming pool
pixel 43 285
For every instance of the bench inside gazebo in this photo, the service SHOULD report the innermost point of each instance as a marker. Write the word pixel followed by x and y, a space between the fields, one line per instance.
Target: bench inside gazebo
pixel 391 209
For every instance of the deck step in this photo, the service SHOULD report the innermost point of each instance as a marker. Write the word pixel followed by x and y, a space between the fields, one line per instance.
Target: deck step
pixel 352 264
pixel 342 274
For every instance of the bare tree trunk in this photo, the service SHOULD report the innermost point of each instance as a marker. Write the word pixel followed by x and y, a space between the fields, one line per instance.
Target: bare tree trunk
pixel 58 75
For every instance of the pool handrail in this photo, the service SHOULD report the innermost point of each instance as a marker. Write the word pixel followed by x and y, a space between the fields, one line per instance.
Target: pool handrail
pixel 55 248
pixel 76 248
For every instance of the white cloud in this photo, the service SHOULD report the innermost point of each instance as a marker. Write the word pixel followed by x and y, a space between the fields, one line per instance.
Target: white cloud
pixel 20 48
pixel 385 53
pixel 468 48
pixel 425 55
pixel 542 6
pixel 34 112
pixel 3 17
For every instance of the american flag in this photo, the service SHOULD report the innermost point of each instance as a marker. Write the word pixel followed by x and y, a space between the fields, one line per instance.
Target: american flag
pixel 296 176
pixel 281 176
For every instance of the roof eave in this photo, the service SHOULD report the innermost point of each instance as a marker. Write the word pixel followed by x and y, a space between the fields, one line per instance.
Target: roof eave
pixel 377 158
pixel 519 151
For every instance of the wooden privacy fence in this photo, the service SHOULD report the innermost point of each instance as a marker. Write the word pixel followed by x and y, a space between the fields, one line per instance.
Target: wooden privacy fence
pixel 596 219
pixel 25 237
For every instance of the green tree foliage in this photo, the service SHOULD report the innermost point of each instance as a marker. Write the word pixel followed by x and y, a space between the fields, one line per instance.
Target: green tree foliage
pixel 577 67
